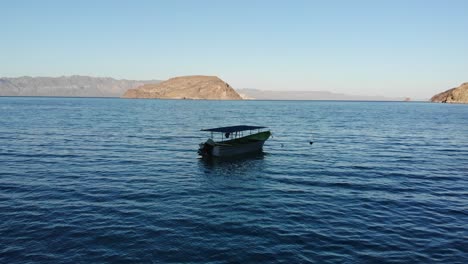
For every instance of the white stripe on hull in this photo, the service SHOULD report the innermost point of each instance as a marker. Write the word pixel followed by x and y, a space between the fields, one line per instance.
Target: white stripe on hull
pixel 224 151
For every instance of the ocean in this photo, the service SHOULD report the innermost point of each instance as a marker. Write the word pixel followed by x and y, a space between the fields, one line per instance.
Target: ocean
pixel 89 180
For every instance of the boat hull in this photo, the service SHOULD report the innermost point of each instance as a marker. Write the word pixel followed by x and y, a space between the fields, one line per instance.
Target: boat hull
pixel 227 151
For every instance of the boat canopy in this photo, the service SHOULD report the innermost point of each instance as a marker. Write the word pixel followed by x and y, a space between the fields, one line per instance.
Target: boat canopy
pixel 231 129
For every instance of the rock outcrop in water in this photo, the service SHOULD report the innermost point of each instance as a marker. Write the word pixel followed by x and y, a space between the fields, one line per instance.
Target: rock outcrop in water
pixel 458 95
pixel 69 86
pixel 186 87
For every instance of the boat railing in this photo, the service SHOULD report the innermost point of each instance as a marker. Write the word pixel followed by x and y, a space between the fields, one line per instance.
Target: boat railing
pixel 235 135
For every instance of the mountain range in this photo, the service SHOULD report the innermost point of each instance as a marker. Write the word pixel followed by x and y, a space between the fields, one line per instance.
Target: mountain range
pixel 310 95
pixel 69 86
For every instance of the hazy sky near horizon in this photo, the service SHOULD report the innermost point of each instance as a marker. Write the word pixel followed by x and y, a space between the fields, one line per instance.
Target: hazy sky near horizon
pixel 393 48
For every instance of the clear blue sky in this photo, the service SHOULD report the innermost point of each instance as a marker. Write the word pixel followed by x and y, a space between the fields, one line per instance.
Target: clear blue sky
pixel 393 48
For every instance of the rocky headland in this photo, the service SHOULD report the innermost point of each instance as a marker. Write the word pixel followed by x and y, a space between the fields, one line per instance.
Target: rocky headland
pixel 458 95
pixel 186 87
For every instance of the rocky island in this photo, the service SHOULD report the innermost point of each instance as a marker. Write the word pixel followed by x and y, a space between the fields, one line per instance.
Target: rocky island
pixel 186 87
pixel 458 95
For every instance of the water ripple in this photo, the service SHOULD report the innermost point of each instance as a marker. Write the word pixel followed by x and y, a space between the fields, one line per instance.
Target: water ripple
pixel 110 180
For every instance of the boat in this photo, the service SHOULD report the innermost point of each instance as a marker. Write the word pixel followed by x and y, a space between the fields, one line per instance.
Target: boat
pixel 234 140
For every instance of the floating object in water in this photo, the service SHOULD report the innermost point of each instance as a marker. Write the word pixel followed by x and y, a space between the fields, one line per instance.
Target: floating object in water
pixel 311 142
pixel 238 143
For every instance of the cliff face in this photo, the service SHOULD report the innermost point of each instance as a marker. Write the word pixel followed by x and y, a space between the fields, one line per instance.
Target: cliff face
pixel 455 95
pixel 186 87
pixel 71 86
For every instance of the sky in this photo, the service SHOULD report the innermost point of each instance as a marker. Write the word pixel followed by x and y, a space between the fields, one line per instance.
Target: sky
pixel 391 48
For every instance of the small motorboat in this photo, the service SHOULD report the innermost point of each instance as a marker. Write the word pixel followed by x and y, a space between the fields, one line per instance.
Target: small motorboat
pixel 234 140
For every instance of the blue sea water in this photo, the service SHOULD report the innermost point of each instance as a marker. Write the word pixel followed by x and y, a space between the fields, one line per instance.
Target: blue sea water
pixel 118 180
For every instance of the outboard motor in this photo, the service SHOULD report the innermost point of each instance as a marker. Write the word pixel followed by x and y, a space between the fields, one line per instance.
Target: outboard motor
pixel 206 148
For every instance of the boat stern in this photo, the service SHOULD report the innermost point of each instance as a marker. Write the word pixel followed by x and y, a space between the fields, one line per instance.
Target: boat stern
pixel 206 148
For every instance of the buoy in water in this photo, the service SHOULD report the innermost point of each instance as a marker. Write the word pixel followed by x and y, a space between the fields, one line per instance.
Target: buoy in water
pixel 311 142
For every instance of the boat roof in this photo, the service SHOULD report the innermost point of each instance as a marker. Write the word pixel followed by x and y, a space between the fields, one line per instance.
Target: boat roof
pixel 230 129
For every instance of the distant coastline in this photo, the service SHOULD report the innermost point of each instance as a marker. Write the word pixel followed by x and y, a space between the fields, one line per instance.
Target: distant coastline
pixel 105 87
pixel 256 94
pixel 188 99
